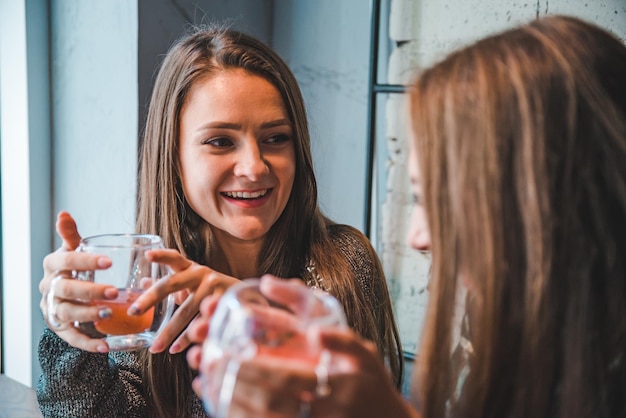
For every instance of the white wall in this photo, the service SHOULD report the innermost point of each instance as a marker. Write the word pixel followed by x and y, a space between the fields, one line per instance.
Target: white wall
pixel 25 145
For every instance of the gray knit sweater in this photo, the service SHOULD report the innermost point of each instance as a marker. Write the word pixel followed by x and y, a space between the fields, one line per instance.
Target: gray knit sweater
pixel 76 383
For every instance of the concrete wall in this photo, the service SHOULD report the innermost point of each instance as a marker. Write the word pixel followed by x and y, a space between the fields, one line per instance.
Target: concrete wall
pixel 326 44
pixel 94 102
pixel 161 22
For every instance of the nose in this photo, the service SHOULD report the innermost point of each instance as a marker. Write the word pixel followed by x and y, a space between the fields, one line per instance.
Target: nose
pixel 419 235
pixel 250 162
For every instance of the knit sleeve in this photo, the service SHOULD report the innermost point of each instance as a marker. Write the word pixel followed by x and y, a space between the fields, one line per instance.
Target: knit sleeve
pixel 360 258
pixel 76 383
pixel 376 309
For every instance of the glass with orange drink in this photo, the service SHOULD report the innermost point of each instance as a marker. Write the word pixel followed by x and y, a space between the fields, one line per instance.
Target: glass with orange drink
pixel 257 319
pixel 132 274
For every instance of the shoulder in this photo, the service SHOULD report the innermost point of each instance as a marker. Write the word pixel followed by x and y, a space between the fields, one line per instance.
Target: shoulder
pixel 349 239
pixel 355 246
pixel 359 253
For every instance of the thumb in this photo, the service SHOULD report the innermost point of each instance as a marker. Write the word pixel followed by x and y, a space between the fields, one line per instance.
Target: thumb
pixel 67 230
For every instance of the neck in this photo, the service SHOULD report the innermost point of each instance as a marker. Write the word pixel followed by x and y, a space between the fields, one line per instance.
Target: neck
pixel 235 257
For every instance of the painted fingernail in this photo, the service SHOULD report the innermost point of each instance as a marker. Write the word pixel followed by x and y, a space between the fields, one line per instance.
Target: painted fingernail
pixel 105 313
pixel 110 293
pixel 133 310
pixel 175 348
pixel 102 349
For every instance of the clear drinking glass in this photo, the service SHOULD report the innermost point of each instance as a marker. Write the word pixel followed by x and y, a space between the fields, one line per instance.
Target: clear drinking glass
pixel 248 322
pixel 131 273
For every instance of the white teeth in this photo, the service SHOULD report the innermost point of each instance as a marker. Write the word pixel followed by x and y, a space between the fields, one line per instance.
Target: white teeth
pixel 246 195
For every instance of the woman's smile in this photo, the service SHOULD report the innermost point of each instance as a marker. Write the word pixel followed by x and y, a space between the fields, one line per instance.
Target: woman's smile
pixel 248 199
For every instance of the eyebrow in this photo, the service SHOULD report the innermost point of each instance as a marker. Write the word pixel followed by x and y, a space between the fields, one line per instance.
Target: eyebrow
pixel 235 126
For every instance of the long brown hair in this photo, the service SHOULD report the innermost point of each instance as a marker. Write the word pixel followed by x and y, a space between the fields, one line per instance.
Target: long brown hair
pixel 521 140
pixel 301 236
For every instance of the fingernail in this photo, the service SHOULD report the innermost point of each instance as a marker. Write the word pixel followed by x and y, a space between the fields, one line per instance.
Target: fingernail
pixel 133 310
pixel 105 313
pixel 104 262
pixel 110 293
pixel 102 349
pixel 175 348
pixel 156 348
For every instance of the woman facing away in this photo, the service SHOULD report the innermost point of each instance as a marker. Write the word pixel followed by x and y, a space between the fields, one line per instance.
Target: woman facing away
pixel 226 179
pixel 518 165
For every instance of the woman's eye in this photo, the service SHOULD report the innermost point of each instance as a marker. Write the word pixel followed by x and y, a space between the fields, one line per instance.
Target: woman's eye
pixel 277 139
pixel 220 142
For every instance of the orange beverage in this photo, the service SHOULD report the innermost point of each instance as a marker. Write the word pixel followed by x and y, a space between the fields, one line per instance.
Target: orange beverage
pixel 120 323
pixel 288 346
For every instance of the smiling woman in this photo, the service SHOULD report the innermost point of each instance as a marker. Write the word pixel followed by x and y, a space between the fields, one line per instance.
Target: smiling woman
pixel 226 179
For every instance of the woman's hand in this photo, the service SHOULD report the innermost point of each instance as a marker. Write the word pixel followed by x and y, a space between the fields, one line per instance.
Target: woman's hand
pixel 360 385
pixel 66 296
pixel 197 332
pixel 191 283
pixel 283 381
pixel 356 382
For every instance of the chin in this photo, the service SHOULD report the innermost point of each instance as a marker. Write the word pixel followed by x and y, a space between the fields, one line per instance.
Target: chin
pixel 249 234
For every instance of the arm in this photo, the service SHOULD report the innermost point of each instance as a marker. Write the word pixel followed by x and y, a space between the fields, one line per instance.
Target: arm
pixel 78 383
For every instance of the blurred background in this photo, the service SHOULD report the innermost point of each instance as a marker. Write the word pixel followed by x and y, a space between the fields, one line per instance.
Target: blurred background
pixel 75 79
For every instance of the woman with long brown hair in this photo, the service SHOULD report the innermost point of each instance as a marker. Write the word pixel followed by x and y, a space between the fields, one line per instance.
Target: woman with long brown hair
pixel 521 143
pixel 518 165
pixel 226 179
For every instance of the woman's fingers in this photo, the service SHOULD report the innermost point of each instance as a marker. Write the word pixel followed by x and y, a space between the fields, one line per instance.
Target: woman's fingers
pixel 198 330
pixel 179 321
pixel 67 312
pixel 350 353
pixel 272 386
pixel 291 293
pixel 74 337
pixel 343 341
pixel 70 299
pixel 79 290
pixel 188 279
pixel 200 281
pixel 194 356
pixel 196 385
pixel 67 261
pixel 175 260
pixel 67 230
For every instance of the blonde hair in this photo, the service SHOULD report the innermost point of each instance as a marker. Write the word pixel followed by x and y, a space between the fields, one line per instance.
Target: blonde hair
pixel 521 140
